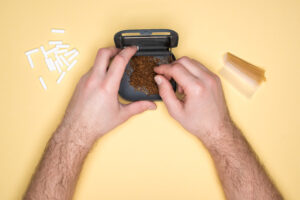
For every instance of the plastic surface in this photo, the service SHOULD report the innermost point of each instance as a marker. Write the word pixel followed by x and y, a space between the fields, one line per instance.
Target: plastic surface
pixel 151 42
pixel 129 93
pixel 147 38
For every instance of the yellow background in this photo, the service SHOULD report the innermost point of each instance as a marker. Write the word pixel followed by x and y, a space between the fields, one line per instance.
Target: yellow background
pixel 150 156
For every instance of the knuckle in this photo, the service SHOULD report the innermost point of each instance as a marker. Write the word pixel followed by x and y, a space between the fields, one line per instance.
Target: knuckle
pixel 198 88
pixel 104 87
pixel 102 51
pixel 120 59
pixel 90 82
pixel 177 68
pixel 211 81
pixel 184 59
pixel 162 69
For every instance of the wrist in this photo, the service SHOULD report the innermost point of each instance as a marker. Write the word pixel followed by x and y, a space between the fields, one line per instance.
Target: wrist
pixel 221 135
pixel 75 134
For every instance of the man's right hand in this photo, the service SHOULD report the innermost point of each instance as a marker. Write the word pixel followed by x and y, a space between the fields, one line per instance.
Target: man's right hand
pixel 203 111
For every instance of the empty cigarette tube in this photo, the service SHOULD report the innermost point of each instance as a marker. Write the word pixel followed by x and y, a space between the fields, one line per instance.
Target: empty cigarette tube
pixel 55 30
pixel 59 61
pixel 64 60
pixel 60 77
pixel 54 42
pixel 30 61
pixel 73 56
pixel 43 51
pixel 61 51
pixel 48 64
pixel 31 51
pixel 62 46
pixel 52 50
pixel 43 83
pixel 72 65
pixel 57 66
pixel 28 53
pixel 70 52
pixel 53 68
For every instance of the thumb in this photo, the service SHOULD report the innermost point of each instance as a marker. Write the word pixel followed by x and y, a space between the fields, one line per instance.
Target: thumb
pixel 137 107
pixel 167 94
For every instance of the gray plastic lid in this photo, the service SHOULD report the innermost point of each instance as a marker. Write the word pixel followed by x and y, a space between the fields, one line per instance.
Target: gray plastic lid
pixel 147 39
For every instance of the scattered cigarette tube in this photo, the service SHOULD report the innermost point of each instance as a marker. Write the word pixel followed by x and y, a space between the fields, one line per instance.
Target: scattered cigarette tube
pixel 62 46
pixel 55 42
pixel 73 56
pixel 55 30
pixel 64 60
pixel 70 52
pixel 31 51
pixel 30 61
pixel 57 66
pixel 43 83
pixel 59 61
pixel 51 50
pixel 48 64
pixel 72 65
pixel 60 77
pixel 61 51
pixel 52 64
pixel 43 51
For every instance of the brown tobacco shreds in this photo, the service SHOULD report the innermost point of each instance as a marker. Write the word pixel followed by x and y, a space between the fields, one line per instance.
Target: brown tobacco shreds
pixel 142 74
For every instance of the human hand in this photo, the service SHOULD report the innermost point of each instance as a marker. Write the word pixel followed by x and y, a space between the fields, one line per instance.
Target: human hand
pixel 94 108
pixel 203 111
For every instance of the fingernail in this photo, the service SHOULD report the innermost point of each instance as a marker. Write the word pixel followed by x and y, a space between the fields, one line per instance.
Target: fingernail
pixel 134 46
pixel 157 80
pixel 152 107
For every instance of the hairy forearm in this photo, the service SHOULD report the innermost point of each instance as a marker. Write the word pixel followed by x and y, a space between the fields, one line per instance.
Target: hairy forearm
pixel 58 171
pixel 239 170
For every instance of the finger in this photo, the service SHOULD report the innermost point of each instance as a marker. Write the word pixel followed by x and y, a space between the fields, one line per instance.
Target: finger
pixel 179 89
pixel 117 67
pixel 103 58
pixel 179 73
pixel 193 66
pixel 167 94
pixel 137 107
pixel 199 65
pixel 199 70
pixel 166 76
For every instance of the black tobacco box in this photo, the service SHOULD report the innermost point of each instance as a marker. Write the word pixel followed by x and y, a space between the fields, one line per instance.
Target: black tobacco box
pixel 154 48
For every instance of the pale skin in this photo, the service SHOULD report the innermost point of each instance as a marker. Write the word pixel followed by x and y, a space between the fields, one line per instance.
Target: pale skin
pixel 94 110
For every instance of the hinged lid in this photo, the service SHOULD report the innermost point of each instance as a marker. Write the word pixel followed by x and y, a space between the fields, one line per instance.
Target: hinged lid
pixel 147 39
